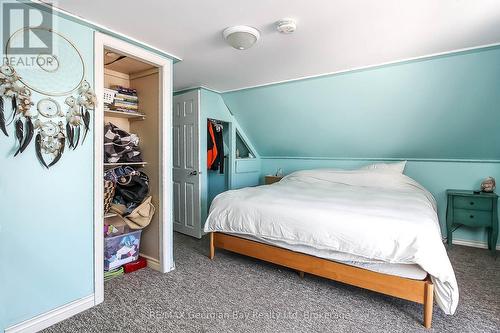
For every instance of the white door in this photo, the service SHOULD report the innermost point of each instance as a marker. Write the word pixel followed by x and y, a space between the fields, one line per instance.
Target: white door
pixel 186 164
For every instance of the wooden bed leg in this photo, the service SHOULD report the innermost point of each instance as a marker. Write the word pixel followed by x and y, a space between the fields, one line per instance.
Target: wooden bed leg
pixel 301 274
pixel 212 248
pixel 428 304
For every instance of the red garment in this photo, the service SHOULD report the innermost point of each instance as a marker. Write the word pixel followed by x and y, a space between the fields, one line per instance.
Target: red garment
pixel 212 147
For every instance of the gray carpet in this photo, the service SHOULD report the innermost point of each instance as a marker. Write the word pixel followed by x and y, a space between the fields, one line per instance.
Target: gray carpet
pixel 239 294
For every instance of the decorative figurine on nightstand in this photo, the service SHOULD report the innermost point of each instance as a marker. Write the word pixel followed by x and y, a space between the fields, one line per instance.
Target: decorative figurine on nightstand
pixel 279 172
pixel 488 185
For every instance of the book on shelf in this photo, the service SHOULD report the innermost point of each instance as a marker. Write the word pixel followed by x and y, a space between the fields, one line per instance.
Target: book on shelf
pixel 127 111
pixel 124 107
pixel 125 91
pixel 125 103
pixel 125 100
pixel 126 97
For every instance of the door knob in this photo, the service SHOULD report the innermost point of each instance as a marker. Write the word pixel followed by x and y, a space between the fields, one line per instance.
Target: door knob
pixel 193 173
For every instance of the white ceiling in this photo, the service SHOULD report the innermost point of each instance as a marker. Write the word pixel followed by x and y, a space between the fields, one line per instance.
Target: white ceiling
pixel 332 35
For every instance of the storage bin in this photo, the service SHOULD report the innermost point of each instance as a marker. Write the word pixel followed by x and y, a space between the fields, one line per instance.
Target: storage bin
pixel 109 96
pixel 115 226
pixel 122 249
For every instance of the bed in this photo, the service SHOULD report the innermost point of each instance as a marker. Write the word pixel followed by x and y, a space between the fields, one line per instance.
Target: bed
pixel 373 228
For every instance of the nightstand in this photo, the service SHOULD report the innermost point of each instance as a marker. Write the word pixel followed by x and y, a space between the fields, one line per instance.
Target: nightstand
pixel 268 180
pixel 473 210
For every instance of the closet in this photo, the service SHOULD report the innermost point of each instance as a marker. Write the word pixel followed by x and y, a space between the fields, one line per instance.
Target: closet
pixel 195 183
pixel 136 84
pixel 218 178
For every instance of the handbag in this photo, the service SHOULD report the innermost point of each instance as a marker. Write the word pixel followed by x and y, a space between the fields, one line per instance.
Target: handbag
pixel 133 189
pixel 140 217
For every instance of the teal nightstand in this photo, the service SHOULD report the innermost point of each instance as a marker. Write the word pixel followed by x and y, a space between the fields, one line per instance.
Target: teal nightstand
pixel 473 210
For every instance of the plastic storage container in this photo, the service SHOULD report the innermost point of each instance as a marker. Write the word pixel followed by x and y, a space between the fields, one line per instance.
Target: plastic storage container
pixel 109 96
pixel 122 249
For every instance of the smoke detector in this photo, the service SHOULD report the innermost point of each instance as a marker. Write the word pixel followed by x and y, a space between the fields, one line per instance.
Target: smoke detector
pixel 286 25
pixel 241 37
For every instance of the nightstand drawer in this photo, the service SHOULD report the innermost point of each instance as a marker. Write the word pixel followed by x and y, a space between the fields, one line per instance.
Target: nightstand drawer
pixel 473 218
pixel 472 203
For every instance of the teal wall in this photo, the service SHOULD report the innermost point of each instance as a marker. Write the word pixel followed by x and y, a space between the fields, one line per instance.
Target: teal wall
pixel 443 107
pixel 441 113
pixel 46 218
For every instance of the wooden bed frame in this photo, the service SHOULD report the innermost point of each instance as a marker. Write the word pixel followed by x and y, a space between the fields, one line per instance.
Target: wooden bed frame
pixel 419 291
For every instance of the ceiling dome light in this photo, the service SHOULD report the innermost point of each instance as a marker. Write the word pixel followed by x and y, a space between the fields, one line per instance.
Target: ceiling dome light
pixel 241 37
pixel 286 25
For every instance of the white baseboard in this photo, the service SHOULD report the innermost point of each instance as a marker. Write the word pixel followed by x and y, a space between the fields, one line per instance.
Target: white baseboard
pixel 152 262
pixel 52 317
pixel 478 244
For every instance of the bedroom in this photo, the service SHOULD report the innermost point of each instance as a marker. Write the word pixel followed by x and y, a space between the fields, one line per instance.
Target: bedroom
pixel 375 122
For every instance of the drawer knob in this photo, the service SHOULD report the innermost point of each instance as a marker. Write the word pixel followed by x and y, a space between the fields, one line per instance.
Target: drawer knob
pixel 472 216
pixel 472 203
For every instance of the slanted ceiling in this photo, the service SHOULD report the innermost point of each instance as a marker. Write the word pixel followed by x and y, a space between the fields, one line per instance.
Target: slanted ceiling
pixel 441 108
pixel 332 35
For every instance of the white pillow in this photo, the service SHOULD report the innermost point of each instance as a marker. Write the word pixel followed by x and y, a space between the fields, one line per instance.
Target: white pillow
pixel 397 167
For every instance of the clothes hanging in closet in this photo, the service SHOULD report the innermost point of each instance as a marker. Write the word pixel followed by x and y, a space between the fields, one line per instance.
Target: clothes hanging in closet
pixel 211 146
pixel 215 146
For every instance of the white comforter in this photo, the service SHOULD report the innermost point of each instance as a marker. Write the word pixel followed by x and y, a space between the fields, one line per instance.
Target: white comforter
pixel 369 216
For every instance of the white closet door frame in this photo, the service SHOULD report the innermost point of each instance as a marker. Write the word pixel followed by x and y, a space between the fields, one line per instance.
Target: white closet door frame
pixel 101 42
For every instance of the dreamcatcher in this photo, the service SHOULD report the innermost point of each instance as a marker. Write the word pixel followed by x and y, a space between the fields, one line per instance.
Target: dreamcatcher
pixel 57 74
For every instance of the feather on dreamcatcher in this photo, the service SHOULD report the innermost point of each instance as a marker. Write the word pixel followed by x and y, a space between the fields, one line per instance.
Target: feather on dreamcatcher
pixel 50 140
pixel 20 98
pixel 78 115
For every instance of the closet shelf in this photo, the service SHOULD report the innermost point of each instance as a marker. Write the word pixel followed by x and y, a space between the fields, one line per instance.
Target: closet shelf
pixel 122 114
pixel 111 165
